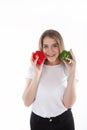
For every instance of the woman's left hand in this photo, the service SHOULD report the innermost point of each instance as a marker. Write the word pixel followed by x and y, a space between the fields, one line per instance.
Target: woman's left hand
pixel 71 65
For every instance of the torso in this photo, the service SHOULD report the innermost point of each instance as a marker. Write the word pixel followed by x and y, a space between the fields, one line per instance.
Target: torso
pixel 53 81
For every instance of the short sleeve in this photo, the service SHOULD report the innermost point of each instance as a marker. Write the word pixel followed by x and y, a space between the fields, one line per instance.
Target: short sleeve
pixel 67 74
pixel 30 73
pixel 76 73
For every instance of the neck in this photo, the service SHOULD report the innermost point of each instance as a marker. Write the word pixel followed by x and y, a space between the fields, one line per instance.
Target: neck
pixel 52 63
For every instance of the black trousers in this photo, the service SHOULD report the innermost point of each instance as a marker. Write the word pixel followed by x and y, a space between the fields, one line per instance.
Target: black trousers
pixel 64 121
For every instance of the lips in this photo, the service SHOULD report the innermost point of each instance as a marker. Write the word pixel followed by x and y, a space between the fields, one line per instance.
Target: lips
pixel 50 55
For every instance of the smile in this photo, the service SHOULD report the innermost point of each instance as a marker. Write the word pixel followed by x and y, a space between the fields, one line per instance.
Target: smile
pixel 50 55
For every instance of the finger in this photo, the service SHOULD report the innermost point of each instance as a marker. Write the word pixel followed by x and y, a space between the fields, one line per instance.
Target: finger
pixel 42 63
pixel 64 62
pixel 35 61
pixel 69 62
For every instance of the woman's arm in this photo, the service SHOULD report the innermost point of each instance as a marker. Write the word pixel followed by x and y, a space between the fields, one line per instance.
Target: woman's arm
pixel 30 90
pixel 69 97
pixel 32 84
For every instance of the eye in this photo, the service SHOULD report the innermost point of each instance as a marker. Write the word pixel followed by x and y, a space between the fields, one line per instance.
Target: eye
pixel 45 46
pixel 55 45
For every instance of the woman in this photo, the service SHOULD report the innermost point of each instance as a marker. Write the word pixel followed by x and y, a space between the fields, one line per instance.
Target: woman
pixel 50 87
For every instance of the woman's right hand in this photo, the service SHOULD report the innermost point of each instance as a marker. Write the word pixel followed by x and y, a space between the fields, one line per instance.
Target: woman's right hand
pixel 37 68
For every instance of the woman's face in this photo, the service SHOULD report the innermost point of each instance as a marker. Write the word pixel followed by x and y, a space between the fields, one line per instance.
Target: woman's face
pixel 51 50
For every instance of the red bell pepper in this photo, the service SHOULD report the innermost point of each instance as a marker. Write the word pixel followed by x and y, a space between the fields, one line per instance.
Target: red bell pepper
pixel 41 56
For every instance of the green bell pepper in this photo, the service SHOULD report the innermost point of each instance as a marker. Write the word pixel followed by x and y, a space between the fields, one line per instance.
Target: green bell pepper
pixel 64 55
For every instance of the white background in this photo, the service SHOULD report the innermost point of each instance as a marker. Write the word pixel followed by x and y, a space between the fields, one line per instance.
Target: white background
pixel 21 24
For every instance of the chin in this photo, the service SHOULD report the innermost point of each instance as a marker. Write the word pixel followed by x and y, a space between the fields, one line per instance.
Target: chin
pixel 52 61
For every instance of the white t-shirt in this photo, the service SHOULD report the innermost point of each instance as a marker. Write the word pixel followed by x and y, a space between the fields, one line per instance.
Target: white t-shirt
pixel 51 87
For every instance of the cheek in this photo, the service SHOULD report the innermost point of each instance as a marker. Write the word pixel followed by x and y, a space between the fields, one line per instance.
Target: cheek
pixel 57 51
pixel 44 50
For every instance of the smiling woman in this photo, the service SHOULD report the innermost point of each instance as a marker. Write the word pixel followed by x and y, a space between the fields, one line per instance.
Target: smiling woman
pixel 51 43
pixel 55 76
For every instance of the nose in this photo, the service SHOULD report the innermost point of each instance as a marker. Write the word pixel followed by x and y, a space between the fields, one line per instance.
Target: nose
pixel 50 49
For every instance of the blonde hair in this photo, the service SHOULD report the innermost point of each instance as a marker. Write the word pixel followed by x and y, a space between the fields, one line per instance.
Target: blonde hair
pixel 52 34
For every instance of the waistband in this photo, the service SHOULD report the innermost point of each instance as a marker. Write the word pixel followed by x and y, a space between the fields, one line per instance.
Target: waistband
pixel 62 116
